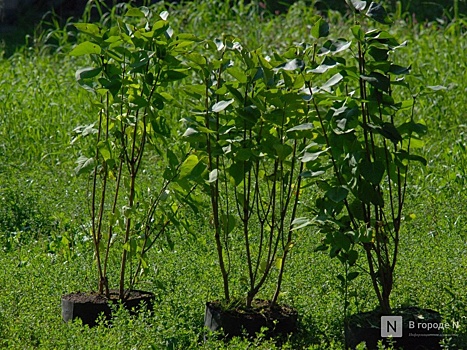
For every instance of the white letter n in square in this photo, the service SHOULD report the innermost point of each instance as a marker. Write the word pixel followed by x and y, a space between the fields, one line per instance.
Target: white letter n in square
pixel 391 326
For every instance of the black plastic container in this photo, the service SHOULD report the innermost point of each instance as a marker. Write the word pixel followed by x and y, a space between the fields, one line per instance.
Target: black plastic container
pixel 420 329
pixel 278 320
pixel 88 306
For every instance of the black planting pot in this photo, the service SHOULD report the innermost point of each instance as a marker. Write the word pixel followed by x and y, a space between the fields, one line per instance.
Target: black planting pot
pixel 410 328
pixel 89 306
pixel 279 320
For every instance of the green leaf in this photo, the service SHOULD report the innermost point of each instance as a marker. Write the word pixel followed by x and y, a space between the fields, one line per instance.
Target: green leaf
pixel 378 80
pixel 299 223
pixel 85 165
pixel 310 174
pixel 378 13
pixel 368 195
pixel 195 91
pixel 243 154
pixel 213 176
pixel 352 257
pixel 383 37
pixel 437 88
pixel 302 127
pixel 188 165
pixel 294 64
pixel 415 142
pixel 263 266
pixel 398 70
pixel 337 194
pixel 197 58
pixel 412 127
pixel 418 158
pixel 221 105
pixel 237 171
pixel 236 93
pixel 320 29
pixel 238 74
pixel 85 48
pixel 300 131
pixel 134 12
pixel 251 114
pixel 164 15
pixel 389 131
pixel 358 5
pixel 358 33
pixel 144 264
pixel 219 44
pixel 334 80
pixel 127 246
pixel 104 149
pixel 85 130
pixel 194 135
pixel 342 241
pixel 87 73
pixel 128 211
pixel 174 75
pixel 172 157
pixel 380 66
pixel 228 223
pixel 373 172
pixel 327 64
pixel 89 28
pixel 311 156
pixel 404 155
pixel 321 248
pixel 334 46
pixel 352 275
pixel 356 209
pixel 345 119
pixel 282 150
pixel 378 54
pixel 366 234
pixel 278 263
pixel 112 85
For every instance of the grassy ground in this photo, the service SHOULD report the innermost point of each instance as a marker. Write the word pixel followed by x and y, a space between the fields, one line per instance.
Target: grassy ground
pixel 46 253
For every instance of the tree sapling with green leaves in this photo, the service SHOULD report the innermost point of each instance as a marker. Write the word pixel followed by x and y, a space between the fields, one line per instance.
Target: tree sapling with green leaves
pixel 134 62
pixel 247 128
pixel 366 110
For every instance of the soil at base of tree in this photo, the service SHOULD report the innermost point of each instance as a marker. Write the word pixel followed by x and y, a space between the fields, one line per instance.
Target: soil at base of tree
pixel 96 298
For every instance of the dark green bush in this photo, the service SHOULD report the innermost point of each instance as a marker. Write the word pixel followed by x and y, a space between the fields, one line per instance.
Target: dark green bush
pixel 422 9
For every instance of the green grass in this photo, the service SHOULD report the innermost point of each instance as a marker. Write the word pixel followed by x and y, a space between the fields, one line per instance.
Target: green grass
pixel 43 206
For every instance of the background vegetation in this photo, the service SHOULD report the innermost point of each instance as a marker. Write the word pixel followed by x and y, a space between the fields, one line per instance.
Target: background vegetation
pixel 421 10
pixel 46 250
